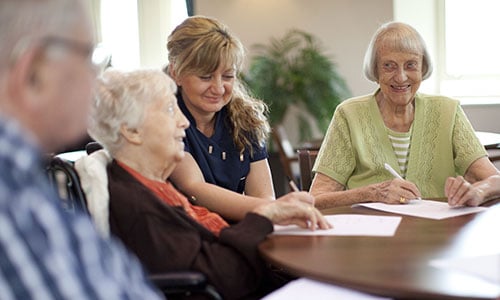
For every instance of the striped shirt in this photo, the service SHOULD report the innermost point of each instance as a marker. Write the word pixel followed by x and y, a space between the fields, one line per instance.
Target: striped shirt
pixel 401 144
pixel 46 253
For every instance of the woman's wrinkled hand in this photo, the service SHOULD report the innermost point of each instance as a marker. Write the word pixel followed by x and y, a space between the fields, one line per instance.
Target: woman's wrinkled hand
pixel 462 193
pixel 396 191
pixel 294 208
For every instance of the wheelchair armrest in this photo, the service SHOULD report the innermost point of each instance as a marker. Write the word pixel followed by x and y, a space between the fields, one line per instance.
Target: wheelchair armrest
pixel 184 279
pixel 184 282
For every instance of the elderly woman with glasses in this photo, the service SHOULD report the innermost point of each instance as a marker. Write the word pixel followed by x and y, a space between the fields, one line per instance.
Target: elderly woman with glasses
pixel 427 142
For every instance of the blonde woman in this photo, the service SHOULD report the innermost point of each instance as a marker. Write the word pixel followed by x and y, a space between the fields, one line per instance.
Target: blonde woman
pixel 225 144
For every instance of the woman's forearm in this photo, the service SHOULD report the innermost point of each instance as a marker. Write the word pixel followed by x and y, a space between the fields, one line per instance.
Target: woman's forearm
pixel 230 205
pixel 330 193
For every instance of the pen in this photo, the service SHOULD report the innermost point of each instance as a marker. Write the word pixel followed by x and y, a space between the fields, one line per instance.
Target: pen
pixel 294 187
pixel 392 171
pixel 395 174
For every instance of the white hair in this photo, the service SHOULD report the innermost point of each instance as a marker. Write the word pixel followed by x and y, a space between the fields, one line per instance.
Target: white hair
pixel 398 36
pixel 121 99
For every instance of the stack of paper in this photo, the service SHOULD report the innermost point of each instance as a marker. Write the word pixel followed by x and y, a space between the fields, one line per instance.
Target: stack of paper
pixel 424 208
pixel 365 225
pixel 309 289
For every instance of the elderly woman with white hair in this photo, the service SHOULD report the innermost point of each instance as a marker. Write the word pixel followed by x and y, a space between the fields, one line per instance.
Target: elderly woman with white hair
pixel 427 140
pixel 137 120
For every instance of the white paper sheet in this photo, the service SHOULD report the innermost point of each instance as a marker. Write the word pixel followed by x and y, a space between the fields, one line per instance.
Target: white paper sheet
pixel 348 224
pixel 424 208
pixel 485 266
pixel 309 289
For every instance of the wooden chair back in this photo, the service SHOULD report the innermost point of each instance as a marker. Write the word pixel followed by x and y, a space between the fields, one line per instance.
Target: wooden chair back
pixel 287 154
pixel 306 163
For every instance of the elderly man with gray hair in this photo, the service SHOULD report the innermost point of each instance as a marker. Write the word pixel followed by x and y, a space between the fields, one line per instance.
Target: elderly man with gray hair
pixel 46 82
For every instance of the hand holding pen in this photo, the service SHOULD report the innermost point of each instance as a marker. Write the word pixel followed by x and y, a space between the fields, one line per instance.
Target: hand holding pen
pixel 294 187
pixel 402 198
pixel 311 208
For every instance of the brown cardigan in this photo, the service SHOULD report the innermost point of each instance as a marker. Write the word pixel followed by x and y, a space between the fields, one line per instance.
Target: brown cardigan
pixel 165 238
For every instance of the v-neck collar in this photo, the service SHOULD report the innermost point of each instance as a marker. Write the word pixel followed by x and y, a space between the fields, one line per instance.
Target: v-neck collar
pixel 383 137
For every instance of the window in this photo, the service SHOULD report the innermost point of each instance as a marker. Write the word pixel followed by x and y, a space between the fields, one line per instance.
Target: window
pixel 462 39
pixel 120 32
pixel 471 68
pixel 470 48
pixel 135 32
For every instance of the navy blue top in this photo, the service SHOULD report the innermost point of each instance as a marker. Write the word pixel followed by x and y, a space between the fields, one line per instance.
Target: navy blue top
pixel 217 156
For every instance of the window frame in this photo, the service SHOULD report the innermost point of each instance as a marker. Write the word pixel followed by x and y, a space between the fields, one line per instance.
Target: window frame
pixel 470 89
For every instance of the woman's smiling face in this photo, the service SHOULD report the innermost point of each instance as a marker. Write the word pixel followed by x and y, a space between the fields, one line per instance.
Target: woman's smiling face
pixel 399 75
pixel 208 93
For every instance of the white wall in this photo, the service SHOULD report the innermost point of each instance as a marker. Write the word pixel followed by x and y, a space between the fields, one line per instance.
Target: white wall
pixel 157 18
pixel 153 31
pixel 343 26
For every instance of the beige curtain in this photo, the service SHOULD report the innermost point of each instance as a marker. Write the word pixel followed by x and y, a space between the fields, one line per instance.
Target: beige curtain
pixel 154 27
pixel 94 7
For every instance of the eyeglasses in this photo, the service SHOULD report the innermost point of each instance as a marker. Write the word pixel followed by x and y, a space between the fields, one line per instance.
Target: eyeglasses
pixel 95 55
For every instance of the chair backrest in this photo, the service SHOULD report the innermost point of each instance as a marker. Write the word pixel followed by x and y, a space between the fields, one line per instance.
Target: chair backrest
pixel 306 162
pixel 92 147
pixel 65 179
pixel 285 150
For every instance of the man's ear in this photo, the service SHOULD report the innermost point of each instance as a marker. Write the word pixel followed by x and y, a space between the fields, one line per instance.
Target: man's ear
pixel 25 82
pixel 132 135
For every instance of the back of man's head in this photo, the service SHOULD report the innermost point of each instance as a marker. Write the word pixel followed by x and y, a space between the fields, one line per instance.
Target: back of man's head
pixel 24 22
pixel 46 76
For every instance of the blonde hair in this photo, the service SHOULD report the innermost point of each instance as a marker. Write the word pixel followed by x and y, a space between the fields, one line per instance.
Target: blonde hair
pixel 398 36
pixel 122 98
pixel 199 45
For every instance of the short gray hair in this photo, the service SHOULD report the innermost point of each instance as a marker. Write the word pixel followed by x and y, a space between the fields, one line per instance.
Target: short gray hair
pixel 25 22
pixel 398 36
pixel 122 97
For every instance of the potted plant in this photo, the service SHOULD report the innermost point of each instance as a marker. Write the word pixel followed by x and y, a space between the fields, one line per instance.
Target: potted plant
pixel 294 70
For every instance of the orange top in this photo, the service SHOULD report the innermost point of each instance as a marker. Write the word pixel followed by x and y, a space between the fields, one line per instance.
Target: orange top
pixel 168 194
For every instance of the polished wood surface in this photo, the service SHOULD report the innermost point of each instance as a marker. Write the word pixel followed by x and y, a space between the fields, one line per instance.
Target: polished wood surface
pixel 396 267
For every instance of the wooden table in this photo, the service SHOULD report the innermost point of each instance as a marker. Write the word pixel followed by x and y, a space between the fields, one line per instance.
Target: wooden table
pixel 396 267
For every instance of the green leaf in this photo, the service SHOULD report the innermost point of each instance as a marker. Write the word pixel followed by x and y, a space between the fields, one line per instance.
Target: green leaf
pixel 295 70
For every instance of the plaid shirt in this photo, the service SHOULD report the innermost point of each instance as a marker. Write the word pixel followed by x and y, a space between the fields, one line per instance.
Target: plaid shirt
pixel 45 253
